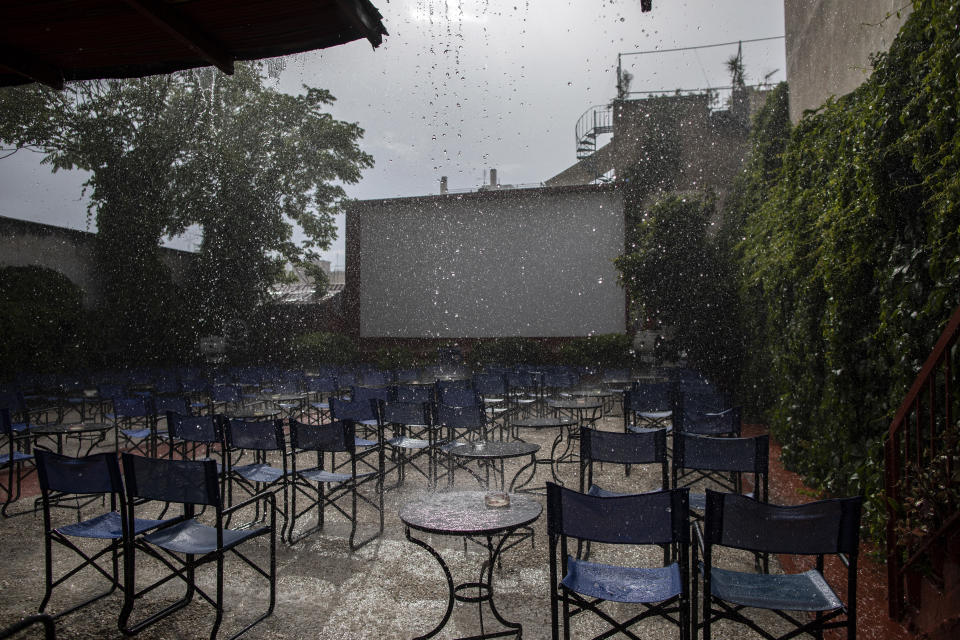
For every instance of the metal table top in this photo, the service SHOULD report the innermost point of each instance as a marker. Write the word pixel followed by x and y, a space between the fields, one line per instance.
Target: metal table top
pixel 464 513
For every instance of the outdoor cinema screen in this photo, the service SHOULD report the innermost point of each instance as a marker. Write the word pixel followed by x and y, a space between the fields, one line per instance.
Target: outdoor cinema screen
pixel 518 262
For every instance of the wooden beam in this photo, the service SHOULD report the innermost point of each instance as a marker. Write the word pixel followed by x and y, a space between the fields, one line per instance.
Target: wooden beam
pixel 173 22
pixel 31 67
pixel 365 18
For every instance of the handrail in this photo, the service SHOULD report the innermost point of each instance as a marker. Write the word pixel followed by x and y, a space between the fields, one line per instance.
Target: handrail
pixel 913 436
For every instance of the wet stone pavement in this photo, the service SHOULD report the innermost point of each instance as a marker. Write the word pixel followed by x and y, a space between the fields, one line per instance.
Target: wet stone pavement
pixel 390 588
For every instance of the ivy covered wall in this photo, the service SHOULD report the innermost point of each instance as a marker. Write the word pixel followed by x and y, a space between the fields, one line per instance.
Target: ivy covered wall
pixel 844 233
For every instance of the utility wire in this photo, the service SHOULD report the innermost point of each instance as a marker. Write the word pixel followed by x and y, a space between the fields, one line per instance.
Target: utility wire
pixel 702 46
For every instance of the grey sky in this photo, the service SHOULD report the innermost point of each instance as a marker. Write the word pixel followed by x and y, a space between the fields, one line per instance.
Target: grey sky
pixel 460 86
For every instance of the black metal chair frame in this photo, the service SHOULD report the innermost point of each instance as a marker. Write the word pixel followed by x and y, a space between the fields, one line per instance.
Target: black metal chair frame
pixel 15 454
pixel 259 439
pixel 63 478
pixel 723 461
pixel 413 437
pixel 646 447
pixel 179 485
pixel 585 526
pixel 310 482
pixel 136 420
pixel 818 529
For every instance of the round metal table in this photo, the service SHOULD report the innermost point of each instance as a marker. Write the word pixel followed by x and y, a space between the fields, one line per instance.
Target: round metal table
pixel 563 424
pixel 89 433
pixel 489 454
pixel 464 513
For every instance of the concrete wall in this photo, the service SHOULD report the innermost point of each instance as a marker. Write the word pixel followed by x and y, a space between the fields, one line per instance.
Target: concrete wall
pixel 829 44
pixel 523 262
pixel 69 251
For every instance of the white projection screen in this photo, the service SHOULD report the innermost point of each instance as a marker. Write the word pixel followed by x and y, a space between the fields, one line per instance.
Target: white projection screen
pixel 511 262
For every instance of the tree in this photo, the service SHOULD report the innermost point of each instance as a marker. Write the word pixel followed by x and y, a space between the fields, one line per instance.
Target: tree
pixel 241 160
pixel 674 278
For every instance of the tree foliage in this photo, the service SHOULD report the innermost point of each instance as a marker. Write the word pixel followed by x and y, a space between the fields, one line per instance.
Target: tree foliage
pixel 850 253
pixel 675 279
pixel 241 160
pixel 41 319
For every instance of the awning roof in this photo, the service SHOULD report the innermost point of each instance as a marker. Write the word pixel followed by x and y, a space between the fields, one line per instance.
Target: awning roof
pixel 53 41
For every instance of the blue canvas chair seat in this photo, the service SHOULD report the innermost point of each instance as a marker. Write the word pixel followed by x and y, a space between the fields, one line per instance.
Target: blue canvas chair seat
pixel 106 526
pixel 698 501
pixel 195 538
pixel 806 591
pixel 267 472
pixel 623 584
pixel 18 456
pixel 317 486
pixel 408 443
pixel 183 545
pixel 362 411
pixel 320 475
pixel 90 477
pixel 651 404
pixel 14 462
pixel 580 587
pixel 813 529
pixel 259 472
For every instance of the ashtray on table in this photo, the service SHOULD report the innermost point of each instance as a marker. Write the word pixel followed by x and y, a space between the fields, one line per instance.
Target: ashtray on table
pixel 496 500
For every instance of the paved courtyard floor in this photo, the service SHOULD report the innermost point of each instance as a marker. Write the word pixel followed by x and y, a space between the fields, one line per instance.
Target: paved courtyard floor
pixel 388 589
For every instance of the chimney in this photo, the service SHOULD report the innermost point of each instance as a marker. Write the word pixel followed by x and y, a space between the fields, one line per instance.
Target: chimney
pixel 443 184
pixel 493 177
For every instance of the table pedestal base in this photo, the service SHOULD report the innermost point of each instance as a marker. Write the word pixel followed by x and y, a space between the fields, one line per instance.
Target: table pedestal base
pixel 483 588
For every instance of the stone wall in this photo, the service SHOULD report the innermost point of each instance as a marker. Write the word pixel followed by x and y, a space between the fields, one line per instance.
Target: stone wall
pixel 829 44
pixel 68 251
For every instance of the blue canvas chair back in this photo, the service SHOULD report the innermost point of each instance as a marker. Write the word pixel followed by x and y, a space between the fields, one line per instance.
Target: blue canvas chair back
pixel 93 474
pixel 347 378
pixel 337 436
pixel 822 527
pixel 259 435
pixel 131 407
pixel 366 394
pixel 182 481
pixel 407 376
pixel 560 378
pixel 322 384
pixel 376 378
pixel 703 398
pixel 469 417
pixel 13 400
pixel 490 384
pixel 650 396
pixel 163 404
pixel 746 455
pixel 658 518
pixel 353 410
pixel 195 428
pixel 225 393
pixel 286 387
pixel 623 448
pixel 411 393
pixel 520 379
pixel 461 395
pixel 111 390
pixel 408 413
pixel 710 423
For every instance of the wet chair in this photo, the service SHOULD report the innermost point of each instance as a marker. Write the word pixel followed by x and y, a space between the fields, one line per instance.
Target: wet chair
pixel 413 438
pixel 64 479
pixel 183 544
pixel 318 485
pixel 16 462
pixel 578 586
pixel 815 529
pixel 645 447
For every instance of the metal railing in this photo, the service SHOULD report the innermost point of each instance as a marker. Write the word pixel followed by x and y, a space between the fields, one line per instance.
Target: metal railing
pixel 913 443
pixel 595 121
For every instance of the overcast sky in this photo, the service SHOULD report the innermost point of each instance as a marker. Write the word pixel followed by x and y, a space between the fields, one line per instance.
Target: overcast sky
pixel 460 86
